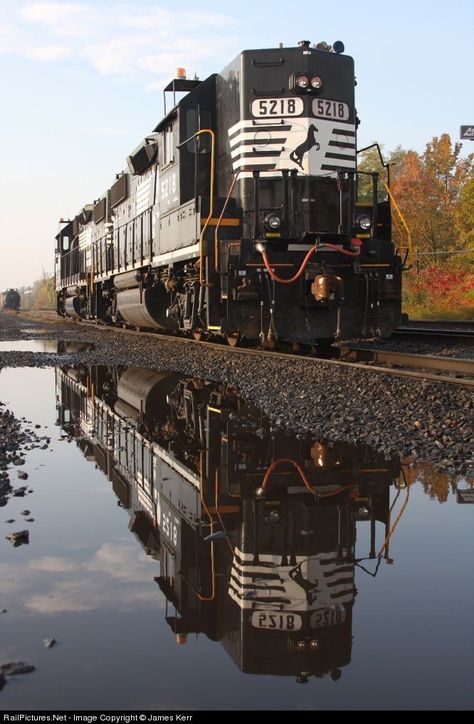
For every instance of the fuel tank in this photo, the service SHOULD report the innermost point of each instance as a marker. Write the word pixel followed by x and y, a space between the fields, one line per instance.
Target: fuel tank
pixel 144 308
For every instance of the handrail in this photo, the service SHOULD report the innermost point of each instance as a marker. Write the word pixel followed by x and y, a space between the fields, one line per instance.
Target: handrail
pixel 397 520
pixel 217 255
pixel 212 595
pixel 217 488
pixel 409 247
pixel 211 133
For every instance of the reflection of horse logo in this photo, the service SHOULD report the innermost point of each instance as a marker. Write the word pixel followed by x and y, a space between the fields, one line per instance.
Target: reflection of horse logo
pixel 308 143
pixel 309 587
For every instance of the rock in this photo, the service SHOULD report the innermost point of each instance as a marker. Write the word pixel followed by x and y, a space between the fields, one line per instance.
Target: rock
pixel 14 668
pixel 21 537
pixel 19 492
pixel 49 643
pixel 25 512
pixel 22 475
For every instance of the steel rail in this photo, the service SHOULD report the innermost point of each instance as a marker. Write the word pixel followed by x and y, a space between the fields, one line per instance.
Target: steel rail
pixel 221 347
pixel 462 336
pixel 468 323
pixel 455 365
pixel 407 359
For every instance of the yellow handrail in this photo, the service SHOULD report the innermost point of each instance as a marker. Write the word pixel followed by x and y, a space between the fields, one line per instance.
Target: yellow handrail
pixel 210 132
pixel 397 227
pixel 212 595
pixel 400 215
pixel 217 255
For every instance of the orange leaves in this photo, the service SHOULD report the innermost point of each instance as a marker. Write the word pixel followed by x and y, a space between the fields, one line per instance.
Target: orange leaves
pixel 437 291
pixel 427 188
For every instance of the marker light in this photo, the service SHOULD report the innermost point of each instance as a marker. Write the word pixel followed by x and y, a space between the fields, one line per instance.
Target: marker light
pixel 302 82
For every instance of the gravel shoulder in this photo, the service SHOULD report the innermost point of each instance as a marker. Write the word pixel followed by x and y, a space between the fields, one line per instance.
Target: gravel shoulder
pixel 429 421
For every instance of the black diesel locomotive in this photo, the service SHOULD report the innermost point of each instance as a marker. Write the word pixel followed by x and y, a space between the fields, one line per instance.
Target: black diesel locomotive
pixel 238 216
pixel 254 530
pixel 11 300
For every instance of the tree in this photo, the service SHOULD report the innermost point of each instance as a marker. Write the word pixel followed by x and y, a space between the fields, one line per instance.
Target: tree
pixel 429 189
pixel 369 161
pixel 465 214
pixel 41 295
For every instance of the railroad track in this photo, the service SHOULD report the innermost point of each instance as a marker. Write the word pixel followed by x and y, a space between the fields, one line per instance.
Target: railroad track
pixel 363 359
pixel 453 365
pixel 447 370
pixel 443 323
pixel 423 334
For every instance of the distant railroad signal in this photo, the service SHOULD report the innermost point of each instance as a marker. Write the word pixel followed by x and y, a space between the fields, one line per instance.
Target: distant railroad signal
pixel 467 133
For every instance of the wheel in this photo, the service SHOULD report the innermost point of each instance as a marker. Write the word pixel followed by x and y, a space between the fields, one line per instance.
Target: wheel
pixel 233 339
pixel 270 344
pixel 199 334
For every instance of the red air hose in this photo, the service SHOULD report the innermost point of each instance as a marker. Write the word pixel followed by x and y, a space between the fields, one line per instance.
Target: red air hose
pixel 304 263
pixel 302 474
pixel 278 462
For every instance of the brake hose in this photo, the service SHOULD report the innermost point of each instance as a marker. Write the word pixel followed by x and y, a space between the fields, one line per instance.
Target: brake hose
pixel 304 263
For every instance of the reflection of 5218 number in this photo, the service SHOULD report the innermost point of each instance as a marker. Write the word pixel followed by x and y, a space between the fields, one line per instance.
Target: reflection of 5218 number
pixel 169 528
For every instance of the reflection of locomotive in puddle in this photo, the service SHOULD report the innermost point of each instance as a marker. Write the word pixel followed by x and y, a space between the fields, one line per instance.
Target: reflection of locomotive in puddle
pixel 254 528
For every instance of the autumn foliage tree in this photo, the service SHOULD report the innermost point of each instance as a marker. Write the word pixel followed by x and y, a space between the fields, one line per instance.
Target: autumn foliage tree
pixel 435 192
pixel 41 295
pixel 429 189
pixel 465 214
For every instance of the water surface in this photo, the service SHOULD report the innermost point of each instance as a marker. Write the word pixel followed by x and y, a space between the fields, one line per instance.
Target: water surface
pixel 185 555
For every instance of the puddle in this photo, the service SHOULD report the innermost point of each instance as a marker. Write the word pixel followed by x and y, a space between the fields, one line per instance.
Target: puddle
pixel 51 346
pixel 185 554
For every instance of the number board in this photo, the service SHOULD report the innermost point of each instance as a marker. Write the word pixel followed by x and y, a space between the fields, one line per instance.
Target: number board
pixel 168 521
pixel 325 108
pixel 276 620
pixel 277 107
pixel 327 617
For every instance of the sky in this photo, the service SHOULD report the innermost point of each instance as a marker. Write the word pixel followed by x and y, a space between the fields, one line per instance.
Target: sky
pixel 81 84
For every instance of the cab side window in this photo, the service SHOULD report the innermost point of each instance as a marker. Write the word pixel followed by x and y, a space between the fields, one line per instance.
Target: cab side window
pixel 168 145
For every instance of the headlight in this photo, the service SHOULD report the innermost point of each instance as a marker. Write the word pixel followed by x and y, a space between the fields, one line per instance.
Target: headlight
pixel 274 516
pixel 316 82
pixel 302 82
pixel 364 222
pixel 272 221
